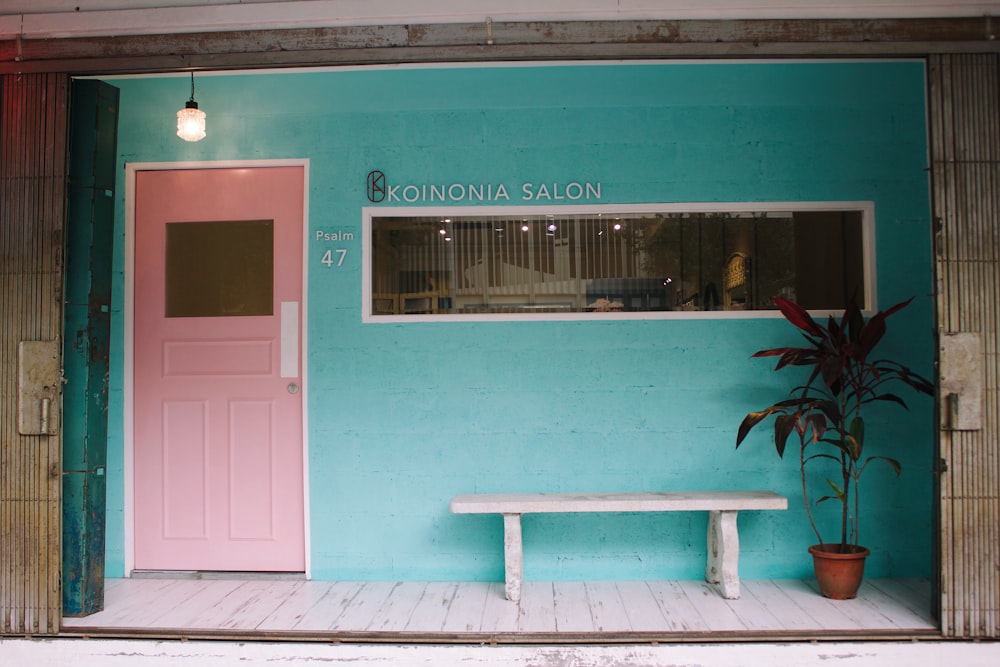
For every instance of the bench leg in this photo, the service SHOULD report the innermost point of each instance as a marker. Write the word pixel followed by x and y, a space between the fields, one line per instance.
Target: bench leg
pixel 512 556
pixel 723 553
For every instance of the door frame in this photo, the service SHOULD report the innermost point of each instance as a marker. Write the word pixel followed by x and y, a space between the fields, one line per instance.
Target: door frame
pixel 128 315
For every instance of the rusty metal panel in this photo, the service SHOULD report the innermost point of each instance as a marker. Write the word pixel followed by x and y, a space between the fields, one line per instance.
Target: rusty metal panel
pixel 32 212
pixel 965 162
pixel 960 357
pixel 38 383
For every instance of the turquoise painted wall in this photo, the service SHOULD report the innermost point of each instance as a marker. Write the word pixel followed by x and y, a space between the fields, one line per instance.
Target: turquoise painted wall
pixel 404 416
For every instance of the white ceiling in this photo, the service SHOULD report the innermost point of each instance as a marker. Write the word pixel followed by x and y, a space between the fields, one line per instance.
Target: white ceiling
pixel 76 18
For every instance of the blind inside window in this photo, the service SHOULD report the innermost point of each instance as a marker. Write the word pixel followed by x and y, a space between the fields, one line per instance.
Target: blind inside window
pixel 727 260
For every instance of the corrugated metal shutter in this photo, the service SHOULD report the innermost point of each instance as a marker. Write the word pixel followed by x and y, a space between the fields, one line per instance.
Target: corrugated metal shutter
pixel 32 213
pixel 965 136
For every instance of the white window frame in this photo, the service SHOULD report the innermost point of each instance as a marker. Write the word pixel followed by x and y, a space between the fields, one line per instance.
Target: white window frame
pixel 867 209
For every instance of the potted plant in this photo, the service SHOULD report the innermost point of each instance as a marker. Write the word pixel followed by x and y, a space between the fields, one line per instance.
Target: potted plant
pixel 825 414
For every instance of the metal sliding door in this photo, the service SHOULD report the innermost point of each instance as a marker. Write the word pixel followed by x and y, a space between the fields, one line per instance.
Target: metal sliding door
pixel 32 215
pixel 965 137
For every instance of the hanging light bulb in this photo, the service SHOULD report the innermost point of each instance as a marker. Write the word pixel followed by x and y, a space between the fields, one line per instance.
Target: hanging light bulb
pixel 191 119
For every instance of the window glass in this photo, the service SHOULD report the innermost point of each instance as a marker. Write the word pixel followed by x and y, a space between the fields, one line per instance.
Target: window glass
pixel 220 269
pixel 628 262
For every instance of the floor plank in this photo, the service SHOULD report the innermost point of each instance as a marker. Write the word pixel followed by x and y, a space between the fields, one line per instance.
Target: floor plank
pixel 910 593
pixel 361 611
pixel 395 612
pixel 826 613
pixel 290 611
pixel 480 611
pixel 195 600
pixel 431 610
pixel 126 603
pixel 643 611
pixel 868 615
pixel 888 606
pixel 255 602
pixel 606 607
pixel 571 607
pixel 678 611
pixel 710 605
pixel 500 615
pixel 322 615
pixel 770 608
pixel 538 609
pixel 465 613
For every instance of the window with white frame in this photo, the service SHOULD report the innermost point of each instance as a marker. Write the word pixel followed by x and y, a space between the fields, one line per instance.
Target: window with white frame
pixel 727 258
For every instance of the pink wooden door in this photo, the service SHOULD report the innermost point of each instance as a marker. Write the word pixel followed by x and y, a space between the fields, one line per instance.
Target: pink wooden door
pixel 218 414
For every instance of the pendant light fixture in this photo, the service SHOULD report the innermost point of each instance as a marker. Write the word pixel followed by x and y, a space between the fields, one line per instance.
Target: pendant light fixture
pixel 191 119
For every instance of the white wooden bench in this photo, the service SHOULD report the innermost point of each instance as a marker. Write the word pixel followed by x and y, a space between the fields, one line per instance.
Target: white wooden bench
pixel 722 506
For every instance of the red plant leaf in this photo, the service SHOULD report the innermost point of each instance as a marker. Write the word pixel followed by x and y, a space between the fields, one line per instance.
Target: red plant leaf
pixel 818 424
pixel 798 316
pixel 899 306
pixel 875 329
pixel 830 368
pixel 783 427
pixel 853 323
pixel 751 420
pixel 871 334
pixel 774 352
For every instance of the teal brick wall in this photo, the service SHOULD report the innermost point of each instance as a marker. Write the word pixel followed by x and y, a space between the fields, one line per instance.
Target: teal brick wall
pixel 404 416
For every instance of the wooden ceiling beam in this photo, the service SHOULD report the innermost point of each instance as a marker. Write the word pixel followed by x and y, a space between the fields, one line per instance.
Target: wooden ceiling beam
pixel 465 42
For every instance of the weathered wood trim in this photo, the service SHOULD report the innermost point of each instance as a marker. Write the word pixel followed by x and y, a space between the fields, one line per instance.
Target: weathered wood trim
pixel 503 41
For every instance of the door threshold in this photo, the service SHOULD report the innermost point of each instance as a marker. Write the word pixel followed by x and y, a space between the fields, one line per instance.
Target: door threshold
pixel 217 574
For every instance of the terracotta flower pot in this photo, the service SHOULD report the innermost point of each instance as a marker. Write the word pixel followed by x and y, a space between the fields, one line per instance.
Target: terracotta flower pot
pixel 838 574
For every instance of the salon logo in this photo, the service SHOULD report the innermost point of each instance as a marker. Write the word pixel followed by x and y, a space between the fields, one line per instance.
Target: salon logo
pixel 376 186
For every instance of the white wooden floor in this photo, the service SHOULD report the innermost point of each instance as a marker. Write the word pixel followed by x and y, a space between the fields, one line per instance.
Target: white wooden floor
pixel 478 612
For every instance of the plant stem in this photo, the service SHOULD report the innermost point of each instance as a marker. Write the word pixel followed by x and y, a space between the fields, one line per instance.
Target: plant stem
pixel 845 502
pixel 805 492
pixel 845 469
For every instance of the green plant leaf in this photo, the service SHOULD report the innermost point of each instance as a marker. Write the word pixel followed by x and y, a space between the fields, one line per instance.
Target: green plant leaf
pixel 857 430
pixel 846 444
pixel 838 493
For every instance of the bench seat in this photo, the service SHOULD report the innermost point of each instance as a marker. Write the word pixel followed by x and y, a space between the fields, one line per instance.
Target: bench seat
pixel 722 506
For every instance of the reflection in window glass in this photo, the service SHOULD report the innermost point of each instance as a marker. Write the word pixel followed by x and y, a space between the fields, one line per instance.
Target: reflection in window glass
pixel 220 269
pixel 697 261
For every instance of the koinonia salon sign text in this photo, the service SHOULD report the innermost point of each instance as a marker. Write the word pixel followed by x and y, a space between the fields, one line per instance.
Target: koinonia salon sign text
pixel 380 190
